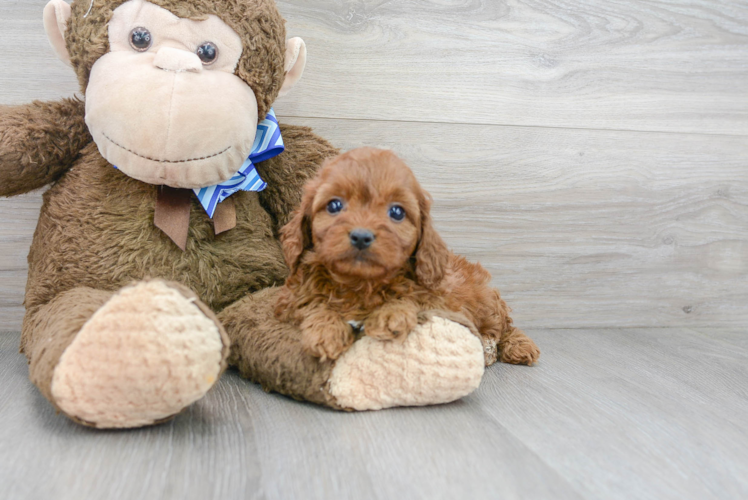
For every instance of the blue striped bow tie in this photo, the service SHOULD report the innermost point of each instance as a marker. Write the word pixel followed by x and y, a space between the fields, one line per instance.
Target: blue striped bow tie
pixel 268 144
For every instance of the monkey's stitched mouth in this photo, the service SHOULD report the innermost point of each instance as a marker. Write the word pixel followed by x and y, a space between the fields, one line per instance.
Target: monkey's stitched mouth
pixel 163 161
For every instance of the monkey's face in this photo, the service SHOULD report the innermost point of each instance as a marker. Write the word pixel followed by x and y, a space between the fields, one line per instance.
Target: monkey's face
pixel 164 104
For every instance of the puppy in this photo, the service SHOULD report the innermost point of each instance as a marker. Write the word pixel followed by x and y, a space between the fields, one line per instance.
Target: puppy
pixel 362 250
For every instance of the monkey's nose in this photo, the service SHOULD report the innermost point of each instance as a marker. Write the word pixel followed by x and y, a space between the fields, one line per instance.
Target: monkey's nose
pixel 177 60
pixel 361 238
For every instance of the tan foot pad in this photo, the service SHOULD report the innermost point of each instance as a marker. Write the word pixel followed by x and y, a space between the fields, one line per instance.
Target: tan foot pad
pixel 145 355
pixel 439 362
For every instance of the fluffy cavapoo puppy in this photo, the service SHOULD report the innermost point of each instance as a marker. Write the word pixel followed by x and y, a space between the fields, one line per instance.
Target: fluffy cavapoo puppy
pixel 364 257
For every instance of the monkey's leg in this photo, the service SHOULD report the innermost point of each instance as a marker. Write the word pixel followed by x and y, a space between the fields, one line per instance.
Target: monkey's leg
pixel 440 361
pixel 124 359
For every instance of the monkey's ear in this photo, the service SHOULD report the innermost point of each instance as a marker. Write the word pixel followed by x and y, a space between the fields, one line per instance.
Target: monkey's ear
pixel 56 16
pixel 295 63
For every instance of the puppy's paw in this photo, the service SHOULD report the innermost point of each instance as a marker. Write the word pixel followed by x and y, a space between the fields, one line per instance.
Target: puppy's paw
pixel 518 349
pixel 327 340
pixel 391 322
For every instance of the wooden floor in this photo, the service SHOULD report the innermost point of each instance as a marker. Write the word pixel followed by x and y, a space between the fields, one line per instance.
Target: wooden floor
pixel 592 155
pixel 616 414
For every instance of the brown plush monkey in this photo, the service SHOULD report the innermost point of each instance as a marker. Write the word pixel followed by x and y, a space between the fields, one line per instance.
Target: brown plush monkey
pixel 123 327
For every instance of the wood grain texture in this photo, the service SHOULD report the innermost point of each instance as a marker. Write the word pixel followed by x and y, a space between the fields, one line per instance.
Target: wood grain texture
pixel 617 414
pixel 31 70
pixel 19 217
pixel 634 65
pixel 241 443
pixel 632 413
pixel 602 228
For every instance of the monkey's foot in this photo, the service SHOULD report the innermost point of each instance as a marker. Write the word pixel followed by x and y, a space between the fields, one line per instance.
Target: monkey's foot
pixel 440 361
pixel 146 354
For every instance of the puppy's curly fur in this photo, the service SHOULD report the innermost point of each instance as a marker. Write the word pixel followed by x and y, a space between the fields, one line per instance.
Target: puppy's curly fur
pixel 402 268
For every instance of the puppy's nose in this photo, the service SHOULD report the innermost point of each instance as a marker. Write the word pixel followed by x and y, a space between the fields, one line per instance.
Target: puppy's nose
pixel 361 238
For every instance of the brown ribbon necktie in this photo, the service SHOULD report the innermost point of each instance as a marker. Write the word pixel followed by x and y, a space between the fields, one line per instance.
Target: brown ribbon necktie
pixel 172 215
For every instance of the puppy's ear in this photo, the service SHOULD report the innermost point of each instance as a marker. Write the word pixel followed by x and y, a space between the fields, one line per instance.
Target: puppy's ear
pixel 432 254
pixel 296 236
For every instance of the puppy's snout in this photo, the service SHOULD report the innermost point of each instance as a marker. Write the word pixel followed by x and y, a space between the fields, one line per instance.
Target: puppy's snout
pixel 361 238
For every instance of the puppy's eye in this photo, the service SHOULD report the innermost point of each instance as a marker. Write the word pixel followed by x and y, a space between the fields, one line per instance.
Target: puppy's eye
pixel 397 213
pixel 140 39
pixel 334 206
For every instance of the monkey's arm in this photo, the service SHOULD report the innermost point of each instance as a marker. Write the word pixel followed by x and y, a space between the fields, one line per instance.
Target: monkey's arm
pixel 38 142
pixel 287 173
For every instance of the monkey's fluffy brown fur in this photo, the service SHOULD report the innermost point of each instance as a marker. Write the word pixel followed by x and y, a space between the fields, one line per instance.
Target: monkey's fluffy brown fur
pixel 403 269
pixel 96 234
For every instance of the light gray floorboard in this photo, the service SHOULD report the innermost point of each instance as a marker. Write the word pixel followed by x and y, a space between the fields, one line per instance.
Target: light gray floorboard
pixel 736 336
pixel 240 442
pixel 659 412
pixel 619 414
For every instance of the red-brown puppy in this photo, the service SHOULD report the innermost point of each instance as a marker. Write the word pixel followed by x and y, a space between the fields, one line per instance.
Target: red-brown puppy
pixel 362 249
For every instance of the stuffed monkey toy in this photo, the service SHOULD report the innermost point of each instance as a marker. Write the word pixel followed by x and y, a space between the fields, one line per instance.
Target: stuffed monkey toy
pixel 157 241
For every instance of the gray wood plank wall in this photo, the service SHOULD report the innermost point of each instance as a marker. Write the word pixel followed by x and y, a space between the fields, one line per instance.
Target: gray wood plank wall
pixel 593 155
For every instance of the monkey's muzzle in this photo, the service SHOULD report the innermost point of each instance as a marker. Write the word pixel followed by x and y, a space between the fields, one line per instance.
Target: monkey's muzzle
pixel 163 119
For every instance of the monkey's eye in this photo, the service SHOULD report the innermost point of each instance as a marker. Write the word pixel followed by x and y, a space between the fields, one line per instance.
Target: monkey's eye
pixel 397 213
pixel 334 206
pixel 207 52
pixel 140 39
